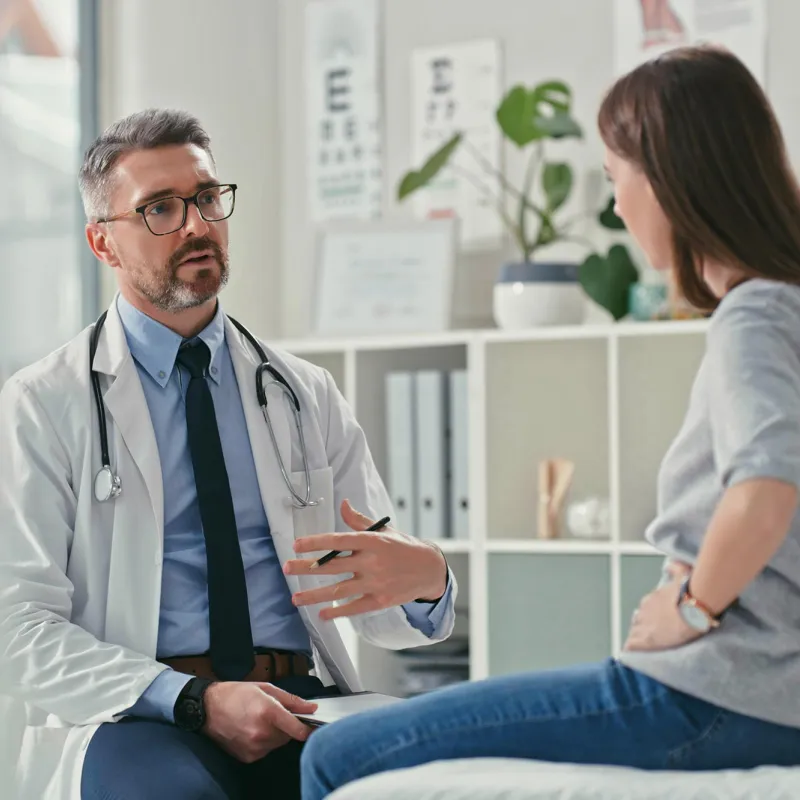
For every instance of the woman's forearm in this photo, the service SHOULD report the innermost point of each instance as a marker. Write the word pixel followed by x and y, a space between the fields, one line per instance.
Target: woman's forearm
pixel 748 527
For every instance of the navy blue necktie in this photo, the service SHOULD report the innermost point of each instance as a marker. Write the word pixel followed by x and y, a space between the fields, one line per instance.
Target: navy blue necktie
pixel 229 614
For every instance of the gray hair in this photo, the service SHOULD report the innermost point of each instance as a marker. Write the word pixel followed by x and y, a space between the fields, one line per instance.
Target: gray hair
pixel 144 130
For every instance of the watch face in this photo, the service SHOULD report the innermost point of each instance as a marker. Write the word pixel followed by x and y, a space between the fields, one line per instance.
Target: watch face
pixel 695 618
pixel 190 715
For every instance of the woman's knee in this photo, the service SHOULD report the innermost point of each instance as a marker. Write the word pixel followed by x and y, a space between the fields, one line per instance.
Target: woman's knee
pixel 323 755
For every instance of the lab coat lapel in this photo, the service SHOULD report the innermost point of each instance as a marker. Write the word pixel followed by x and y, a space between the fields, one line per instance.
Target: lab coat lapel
pixel 126 404
pixel 277 501
pixel 274 493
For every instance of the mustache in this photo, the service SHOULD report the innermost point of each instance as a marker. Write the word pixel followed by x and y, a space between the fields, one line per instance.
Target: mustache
pixel 196 246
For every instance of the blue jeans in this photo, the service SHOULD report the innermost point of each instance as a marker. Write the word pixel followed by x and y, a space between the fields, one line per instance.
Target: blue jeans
pixel 599 714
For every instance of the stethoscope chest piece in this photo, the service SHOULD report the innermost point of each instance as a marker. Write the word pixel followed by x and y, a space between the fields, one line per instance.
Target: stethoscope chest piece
pixel 107 485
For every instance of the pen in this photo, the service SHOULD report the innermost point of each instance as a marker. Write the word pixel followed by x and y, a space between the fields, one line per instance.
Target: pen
pixel 381 523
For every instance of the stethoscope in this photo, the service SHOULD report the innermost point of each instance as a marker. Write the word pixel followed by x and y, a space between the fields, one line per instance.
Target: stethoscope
pixel 107 483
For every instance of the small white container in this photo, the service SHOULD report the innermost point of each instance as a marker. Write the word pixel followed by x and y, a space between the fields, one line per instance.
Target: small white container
pixel 589 519
pixel 530 295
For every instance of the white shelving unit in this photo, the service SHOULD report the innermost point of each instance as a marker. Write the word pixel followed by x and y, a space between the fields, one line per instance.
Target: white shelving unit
pixel 611 398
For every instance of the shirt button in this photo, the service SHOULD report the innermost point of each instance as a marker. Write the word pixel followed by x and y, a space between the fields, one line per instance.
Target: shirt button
pixel 213 370
pixel 157 559
pixel 162 374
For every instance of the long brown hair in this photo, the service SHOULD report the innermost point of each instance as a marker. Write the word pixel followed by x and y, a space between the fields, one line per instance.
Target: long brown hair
pixel 699 126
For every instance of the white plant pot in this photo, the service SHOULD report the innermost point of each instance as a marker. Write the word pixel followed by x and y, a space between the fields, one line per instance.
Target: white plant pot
pixel 534 295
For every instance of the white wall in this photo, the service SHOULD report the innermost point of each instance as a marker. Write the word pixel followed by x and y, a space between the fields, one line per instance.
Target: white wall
pixel 254 108
pixel 569 39
pixel 219 61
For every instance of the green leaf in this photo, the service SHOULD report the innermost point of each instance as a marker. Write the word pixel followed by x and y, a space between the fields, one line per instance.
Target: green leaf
pixel 560 126
pixel 417 179
pixel 607 279
pixel 527 115
pixel 608 218
pixel 555 93
pixel 516 115
pixel 557 184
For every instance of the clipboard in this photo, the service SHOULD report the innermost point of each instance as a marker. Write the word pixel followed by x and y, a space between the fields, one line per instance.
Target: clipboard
pixel 333 709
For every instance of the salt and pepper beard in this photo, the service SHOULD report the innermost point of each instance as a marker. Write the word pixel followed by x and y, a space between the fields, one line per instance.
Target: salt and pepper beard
pixel 167 292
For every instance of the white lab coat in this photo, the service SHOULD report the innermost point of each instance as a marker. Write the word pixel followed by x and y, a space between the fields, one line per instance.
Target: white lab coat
pixel 80 580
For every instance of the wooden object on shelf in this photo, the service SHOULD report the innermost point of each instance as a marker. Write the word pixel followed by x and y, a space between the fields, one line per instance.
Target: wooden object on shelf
pixel 555 477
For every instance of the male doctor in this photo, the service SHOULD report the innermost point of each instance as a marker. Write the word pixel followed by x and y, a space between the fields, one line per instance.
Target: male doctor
pixel 144 640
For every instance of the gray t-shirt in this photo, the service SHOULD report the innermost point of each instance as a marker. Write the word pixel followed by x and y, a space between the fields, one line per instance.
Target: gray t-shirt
pixel 743 422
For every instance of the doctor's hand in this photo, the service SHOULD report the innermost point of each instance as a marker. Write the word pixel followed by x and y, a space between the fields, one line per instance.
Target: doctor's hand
pixel 388 569
pixel 249 720
pixel 657 623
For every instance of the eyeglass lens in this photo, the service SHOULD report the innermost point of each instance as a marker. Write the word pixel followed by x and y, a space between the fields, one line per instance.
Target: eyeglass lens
pixel 168 214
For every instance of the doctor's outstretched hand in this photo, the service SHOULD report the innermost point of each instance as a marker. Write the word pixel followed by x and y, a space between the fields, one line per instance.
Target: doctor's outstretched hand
pixel 387 568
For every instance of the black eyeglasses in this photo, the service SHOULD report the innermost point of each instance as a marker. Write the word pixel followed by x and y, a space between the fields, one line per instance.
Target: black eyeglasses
pixel 168 214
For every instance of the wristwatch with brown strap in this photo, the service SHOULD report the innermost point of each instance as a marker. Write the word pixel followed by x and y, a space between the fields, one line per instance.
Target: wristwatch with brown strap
pixel 695 613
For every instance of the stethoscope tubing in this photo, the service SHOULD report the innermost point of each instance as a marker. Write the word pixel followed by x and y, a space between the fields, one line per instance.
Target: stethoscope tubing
pixel 108 485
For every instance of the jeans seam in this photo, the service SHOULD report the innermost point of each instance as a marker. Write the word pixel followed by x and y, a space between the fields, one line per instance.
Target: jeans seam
pixel 485 726
pixel 674 755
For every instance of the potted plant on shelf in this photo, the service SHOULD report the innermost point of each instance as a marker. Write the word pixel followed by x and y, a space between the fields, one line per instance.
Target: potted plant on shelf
pixel 533 291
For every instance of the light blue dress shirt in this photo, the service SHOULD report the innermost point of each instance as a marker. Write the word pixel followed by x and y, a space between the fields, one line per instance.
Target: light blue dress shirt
pixel 183 622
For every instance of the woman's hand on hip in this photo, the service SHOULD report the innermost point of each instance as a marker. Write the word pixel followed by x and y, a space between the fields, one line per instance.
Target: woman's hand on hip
pixel 657 624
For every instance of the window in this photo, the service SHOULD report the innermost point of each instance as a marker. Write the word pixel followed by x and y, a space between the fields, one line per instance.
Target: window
pixel 48 282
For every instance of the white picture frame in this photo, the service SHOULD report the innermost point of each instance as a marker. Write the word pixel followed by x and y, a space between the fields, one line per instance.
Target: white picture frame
pixel 385 278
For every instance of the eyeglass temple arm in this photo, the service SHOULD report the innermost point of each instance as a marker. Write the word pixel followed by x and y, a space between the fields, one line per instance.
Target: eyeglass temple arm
pixel 130 213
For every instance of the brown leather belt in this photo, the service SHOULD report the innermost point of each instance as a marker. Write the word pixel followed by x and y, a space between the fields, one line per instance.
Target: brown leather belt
pixel 270 665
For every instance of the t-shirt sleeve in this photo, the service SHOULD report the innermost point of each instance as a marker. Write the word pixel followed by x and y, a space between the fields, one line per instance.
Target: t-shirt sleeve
pixel 754 390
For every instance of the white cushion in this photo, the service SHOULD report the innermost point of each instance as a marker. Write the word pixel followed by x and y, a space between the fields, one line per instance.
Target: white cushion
pixel 514 779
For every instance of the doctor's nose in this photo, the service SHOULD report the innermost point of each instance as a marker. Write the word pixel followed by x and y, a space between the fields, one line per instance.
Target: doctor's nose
pixel 195 225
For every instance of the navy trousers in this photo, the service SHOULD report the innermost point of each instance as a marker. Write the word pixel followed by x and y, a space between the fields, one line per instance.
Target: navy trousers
pixel 138 759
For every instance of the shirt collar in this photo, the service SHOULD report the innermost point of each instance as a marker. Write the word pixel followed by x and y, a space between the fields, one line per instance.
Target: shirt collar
pixel 155 346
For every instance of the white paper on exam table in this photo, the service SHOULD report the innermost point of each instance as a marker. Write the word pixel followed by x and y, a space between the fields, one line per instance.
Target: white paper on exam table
pixel 331 709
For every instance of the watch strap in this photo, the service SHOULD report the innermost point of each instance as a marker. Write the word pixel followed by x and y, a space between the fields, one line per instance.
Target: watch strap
pixel 195 688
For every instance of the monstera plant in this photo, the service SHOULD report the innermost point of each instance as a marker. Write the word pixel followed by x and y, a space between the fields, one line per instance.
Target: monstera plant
pixel 529 118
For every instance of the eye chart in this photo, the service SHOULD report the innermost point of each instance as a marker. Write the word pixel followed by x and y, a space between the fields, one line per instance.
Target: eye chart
pixel 458 88
pixel 343 106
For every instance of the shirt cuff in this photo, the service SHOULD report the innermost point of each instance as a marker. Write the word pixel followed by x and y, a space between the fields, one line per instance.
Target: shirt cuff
pixel 158 699
pixel 427 617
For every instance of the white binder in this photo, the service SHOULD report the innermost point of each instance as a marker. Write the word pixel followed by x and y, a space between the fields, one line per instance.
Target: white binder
pixel 433 507
pixel 459 455
pixel 400 445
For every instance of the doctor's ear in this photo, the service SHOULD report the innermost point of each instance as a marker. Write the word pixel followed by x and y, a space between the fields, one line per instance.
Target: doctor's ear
pixel 100 243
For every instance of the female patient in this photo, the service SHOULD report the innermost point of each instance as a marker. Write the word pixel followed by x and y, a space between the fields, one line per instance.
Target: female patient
pixel 709 676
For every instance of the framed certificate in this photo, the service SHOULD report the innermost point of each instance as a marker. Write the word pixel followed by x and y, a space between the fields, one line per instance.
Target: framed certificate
pixel 385 278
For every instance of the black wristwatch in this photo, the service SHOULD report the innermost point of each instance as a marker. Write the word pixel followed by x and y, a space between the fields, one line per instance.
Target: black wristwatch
pixel 190 710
